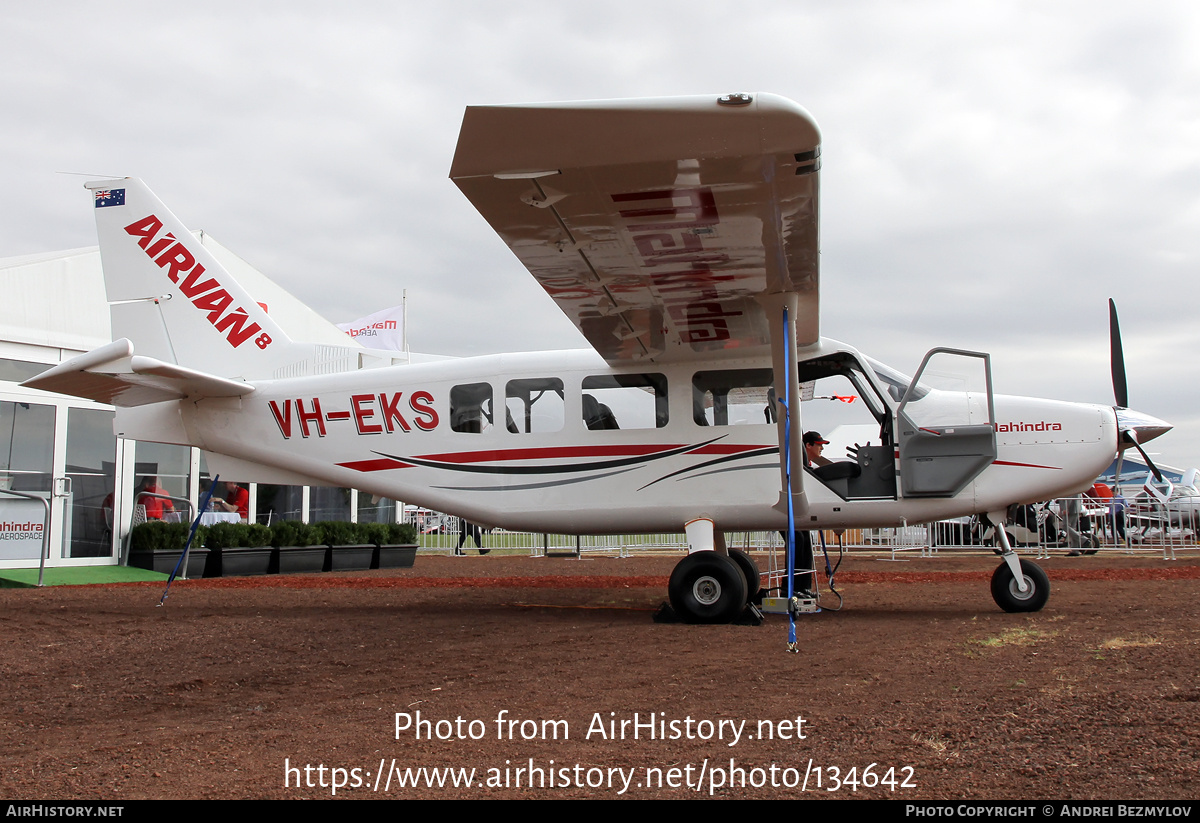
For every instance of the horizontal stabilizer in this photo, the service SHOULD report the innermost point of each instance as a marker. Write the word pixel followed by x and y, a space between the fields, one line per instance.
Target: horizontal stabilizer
pixel 113 374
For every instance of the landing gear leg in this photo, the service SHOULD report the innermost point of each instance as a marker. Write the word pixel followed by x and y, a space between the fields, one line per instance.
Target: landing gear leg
pixel 701 536
pixel 1017 585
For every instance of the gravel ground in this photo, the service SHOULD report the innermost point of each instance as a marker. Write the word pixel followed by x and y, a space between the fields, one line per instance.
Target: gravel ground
pixel 525 669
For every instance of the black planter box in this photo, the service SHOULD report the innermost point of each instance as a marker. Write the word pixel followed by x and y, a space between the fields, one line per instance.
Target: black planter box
pixel 395 557
pixel 164 561
pixel 349 558
pixel 239 562
pixel 298 559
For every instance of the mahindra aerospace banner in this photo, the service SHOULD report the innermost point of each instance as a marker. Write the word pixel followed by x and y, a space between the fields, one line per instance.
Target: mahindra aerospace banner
pixel 381 330
pixel 21 526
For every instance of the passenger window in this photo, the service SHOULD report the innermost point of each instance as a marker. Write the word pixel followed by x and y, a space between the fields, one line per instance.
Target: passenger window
pixel 471 408
pixel 534 405
pixel 733 397
pixel 625 401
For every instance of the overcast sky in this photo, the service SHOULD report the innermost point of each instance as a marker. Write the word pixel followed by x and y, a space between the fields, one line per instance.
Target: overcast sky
pixel 991 172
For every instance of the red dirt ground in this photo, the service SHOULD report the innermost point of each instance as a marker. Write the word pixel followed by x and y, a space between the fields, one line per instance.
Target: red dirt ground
pixel 920 685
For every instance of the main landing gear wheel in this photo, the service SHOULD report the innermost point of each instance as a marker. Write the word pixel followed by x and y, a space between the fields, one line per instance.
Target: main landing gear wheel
pixel 1008 595
pixel 707 587
pixel 753 577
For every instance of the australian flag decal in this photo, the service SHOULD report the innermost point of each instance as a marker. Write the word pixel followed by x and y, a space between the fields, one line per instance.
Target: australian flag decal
pixel 110 197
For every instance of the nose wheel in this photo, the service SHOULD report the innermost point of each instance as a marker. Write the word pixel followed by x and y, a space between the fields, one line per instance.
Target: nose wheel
pixel 1007 592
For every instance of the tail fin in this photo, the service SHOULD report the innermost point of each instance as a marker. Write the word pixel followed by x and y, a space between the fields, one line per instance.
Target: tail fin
pixel 171 297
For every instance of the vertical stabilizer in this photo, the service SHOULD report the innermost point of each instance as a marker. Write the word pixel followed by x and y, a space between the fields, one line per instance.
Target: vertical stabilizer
pixel 171 297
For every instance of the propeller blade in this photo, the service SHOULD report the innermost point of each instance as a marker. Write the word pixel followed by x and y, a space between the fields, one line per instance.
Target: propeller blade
pixel 1157 474
pixel 1133 426
pixel 1131 437
pixel 1117 357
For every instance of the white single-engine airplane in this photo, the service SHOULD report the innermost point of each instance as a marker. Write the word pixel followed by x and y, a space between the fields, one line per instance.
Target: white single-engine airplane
pixel 681 237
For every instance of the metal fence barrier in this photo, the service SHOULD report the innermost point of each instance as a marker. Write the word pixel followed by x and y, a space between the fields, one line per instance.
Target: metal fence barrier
pixel 1081 524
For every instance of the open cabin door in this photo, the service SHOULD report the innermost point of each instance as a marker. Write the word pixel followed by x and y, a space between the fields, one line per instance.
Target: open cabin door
pixel 946 437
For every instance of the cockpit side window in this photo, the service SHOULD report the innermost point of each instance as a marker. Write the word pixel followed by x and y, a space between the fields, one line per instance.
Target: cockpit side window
pixel 471 408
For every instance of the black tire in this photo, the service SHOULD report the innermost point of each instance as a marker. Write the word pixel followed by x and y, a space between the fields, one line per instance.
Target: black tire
pixel 1010 598
pixel 750 570
pixel 707 587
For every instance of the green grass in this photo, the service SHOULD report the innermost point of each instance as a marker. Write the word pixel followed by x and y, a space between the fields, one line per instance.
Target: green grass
pixel 76 576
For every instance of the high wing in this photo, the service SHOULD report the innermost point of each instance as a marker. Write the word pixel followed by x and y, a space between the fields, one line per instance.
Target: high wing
pixel 660 226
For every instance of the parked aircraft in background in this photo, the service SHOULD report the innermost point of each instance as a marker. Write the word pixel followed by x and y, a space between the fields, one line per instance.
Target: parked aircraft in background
pixel 1167 504
pixel 1134 473
pixel 681 237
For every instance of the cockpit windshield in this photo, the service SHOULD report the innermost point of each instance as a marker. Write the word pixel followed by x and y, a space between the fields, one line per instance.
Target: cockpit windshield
pixel 895 382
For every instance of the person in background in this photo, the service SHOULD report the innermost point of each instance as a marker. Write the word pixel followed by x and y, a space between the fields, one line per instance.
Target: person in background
pixel 813 444
pixel 467 529
pixel 1113 520
pixel 237 499
pixel 156 507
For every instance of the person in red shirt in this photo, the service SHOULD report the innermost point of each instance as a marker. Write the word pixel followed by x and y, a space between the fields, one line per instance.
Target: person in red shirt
pixel 237 499
pixel 156 507
pixel 1114 518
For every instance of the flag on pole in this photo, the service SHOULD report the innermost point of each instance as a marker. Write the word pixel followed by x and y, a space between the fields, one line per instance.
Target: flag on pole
pixel 381 330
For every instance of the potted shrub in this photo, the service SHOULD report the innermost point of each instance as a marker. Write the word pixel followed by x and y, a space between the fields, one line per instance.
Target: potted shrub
pixel 395 544
pixel 156 546
pixel 295 548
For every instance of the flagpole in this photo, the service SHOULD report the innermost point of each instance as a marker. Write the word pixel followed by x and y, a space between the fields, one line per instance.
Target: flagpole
pixel 404 320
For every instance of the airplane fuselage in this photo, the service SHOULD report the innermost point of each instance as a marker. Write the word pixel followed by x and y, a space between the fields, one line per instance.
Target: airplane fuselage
pixel 520 441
